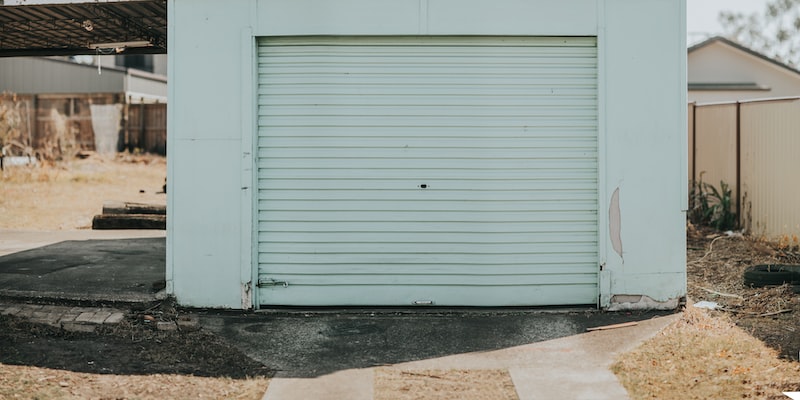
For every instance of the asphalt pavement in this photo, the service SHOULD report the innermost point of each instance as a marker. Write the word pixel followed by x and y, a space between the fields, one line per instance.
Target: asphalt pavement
pixel 101 266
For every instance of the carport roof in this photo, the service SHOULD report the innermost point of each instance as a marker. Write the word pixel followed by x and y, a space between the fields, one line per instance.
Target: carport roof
pixel 69 29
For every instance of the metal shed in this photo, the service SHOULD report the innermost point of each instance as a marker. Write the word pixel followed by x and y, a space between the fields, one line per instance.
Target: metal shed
pixel 427 152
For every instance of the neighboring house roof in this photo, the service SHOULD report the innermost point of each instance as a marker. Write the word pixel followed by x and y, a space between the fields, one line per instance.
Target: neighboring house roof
pixel 747 50
pixel 720 69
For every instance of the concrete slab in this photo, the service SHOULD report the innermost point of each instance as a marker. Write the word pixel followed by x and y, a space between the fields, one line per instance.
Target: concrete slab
pixel 114 318
pixel 14 241
pixel 83 265
pixel 99 317
pixel 354 384
pixel 85 317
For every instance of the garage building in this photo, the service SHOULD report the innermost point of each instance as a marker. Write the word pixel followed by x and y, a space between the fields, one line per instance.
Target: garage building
pixel 427 152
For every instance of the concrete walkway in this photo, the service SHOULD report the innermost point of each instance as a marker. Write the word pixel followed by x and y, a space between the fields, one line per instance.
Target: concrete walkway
pixel 575 367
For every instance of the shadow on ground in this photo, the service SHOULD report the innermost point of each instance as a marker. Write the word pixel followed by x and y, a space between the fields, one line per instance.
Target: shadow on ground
pixel 304 345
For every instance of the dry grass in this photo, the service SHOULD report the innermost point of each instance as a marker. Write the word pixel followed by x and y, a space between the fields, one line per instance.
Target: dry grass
pixel 66 195
pixel 396 384
pixel 22 382
pixel 705 357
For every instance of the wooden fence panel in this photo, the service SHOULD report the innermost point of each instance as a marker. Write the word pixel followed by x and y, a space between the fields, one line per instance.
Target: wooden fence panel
pixel 59 125
pixel 146 128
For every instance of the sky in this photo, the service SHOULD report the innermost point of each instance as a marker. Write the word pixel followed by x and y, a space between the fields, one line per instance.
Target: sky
pixel 701 15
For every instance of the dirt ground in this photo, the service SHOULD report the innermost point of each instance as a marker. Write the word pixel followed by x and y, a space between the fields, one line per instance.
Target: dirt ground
pixel 150 363
pixel 41 362
pixel 715 267
pixel 68 194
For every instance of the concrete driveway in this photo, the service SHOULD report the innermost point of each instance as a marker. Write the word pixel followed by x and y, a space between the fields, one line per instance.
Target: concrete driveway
pixel 114 266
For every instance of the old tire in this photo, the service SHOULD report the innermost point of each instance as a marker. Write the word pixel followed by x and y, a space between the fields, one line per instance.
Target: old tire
pixel 771 275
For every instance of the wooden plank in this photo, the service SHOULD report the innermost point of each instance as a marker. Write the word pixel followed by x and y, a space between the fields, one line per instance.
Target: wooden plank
pixel 116 207
pixel 129 221
pixel 614 326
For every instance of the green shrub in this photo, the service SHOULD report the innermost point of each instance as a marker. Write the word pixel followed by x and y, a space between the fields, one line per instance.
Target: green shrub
pixel 712 207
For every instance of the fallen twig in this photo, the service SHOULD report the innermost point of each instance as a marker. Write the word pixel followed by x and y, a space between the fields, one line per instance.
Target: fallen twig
pixel 422 375
pixel 615 326
pixel 769 314
pixel 154 307
pixel 735 296
pixel 710 249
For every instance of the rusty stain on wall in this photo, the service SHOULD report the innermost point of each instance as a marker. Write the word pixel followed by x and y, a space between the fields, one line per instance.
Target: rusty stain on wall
pixel 614 224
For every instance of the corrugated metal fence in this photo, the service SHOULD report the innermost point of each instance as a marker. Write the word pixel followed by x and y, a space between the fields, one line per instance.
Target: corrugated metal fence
pixel 754 147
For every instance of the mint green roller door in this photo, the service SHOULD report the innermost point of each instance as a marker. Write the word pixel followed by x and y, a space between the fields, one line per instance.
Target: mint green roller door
pixel 427 170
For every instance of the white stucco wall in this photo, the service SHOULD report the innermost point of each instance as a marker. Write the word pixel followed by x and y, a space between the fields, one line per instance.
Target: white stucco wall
pixel 641 43
pixel 721 63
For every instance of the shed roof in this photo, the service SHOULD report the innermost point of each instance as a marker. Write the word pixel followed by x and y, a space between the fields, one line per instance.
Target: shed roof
pixel 70 29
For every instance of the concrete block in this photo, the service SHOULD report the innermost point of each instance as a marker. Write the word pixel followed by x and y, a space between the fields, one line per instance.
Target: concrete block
pixel 11 310
pixel 79 310
pixel 114 318
pixel 85 316
pixel 68 317
pixel 99 317
pixel 57 309
pixel 78 327
pixel 39 315
pixel 53 318
pixel 166 326
pixel 188 322
pixel 28 310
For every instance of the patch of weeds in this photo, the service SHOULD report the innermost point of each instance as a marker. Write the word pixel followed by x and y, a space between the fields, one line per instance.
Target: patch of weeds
pixel 712 207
